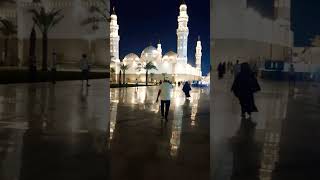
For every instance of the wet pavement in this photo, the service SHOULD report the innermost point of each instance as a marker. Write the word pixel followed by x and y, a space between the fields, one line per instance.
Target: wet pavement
pixel 280 146
pixel 54 132
pixel 142 147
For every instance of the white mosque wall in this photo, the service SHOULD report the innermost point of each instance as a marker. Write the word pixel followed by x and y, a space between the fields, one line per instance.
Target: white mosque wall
pixel 131 78
pixel 238 32
pixel 69 38
pixel 233 20
pixel 245 50
pixel 307 59
pixel 9 12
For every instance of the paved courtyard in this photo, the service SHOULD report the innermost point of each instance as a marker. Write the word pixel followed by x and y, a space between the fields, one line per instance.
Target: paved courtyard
pixel 142 147
pixel 281 146
pixel 54 132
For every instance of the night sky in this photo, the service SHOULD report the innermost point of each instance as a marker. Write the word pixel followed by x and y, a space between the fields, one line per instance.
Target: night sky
pixel 145 22
pixel 304 18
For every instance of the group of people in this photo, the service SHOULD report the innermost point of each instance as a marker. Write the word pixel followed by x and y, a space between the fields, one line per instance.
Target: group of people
pixel 224 67
pixel 164 93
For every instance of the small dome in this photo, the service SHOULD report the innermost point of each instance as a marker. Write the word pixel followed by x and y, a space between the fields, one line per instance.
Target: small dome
pixel 150 53
pixel 131 57
pixel 149 50
pixel 170 56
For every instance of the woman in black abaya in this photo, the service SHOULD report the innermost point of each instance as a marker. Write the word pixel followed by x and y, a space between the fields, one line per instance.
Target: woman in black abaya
pixel 244 87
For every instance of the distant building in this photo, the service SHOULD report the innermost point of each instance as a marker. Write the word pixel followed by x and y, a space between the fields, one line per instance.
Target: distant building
pixel 69 38
pixel 172 64
pixel 239 31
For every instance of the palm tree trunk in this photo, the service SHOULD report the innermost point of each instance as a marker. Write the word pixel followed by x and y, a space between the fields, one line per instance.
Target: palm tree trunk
pixel 44 51
pixel 147 78
pixel 6 41
pixel 124 77
pixel 120 77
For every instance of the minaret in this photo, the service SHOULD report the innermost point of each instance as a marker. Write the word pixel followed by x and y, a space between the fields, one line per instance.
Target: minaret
pixel 114 37
pixel 282 9
pixel 159 48
pixel 198 54
pixel 182 33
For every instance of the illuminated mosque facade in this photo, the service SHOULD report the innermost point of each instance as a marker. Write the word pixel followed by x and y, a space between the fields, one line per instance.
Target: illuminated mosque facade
pixel 173 65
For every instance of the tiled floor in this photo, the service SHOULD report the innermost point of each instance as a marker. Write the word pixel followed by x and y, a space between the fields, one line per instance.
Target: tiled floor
pixel 280 147
pixel 144 148
pixel 54 132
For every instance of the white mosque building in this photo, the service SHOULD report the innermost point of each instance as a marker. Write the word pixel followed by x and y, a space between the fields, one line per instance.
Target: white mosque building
pixel 240 32
pixel 173 65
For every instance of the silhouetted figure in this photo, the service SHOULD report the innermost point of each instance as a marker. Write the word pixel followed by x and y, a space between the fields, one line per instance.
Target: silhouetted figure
pixel 220 71
pixel 224 70
pixel 179 83
pixel 137 84
pixel 231 68
pixel 255 69
pixel 84 65
pixel 186 89
pixel 292 75
pixel 244 87
pixel 236 69
pixel 165 92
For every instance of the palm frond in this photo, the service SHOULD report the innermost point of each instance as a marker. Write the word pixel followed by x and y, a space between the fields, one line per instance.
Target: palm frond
pixel 92 20
pixel 8 28
pixel 45 21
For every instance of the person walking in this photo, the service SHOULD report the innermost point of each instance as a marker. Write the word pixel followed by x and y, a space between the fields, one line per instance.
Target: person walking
pixel 292 76
pixel 220 71
pixel 231 68
pixel 186 89
pixel 236 69
pixel 165 93
pixel 224 68
pixel 84 65
pixel 137 84
pixel 244 87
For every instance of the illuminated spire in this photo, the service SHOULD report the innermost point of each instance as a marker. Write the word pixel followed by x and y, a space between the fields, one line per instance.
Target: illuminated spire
pixel 113 10
pixel 182 33
pixel 182 2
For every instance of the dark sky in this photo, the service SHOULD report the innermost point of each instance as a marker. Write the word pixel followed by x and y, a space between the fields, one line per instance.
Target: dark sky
pixel 143 22
pixel 304 17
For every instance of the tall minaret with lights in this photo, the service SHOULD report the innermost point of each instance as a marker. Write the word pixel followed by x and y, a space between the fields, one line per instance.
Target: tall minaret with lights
pixel 114 37
pixel 282 9
pixel 198 55
pixel 159 48
pixel 182 33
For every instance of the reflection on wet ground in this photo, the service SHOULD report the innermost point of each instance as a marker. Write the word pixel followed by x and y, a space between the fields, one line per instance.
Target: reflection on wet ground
pixel 54 132
pixel 144 147
pixel 279 147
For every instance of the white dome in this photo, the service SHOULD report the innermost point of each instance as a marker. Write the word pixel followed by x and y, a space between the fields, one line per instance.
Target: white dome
pixel 131 57
pixel 170 56
pixel 150 53
pixel 149 50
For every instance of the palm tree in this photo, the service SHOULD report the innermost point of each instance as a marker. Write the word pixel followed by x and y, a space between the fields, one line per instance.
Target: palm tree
pixel 149 66
pixel 124 68
pixel 8 29
pixel 112 72
pixel 45 21
pixel 99 14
